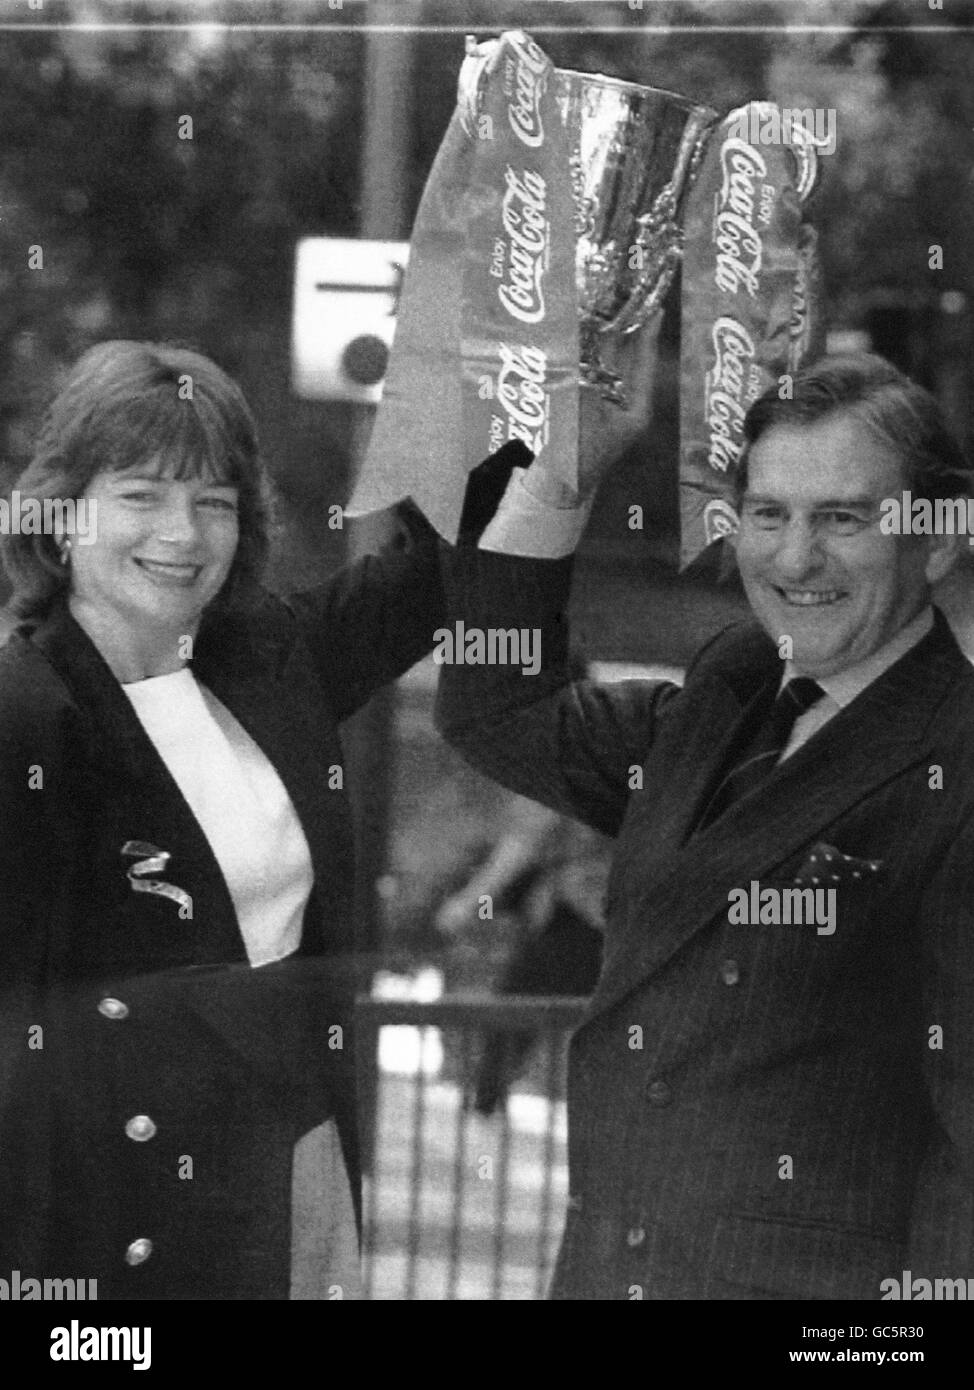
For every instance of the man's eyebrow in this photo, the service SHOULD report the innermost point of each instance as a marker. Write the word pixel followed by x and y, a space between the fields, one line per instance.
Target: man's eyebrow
pixel 822 504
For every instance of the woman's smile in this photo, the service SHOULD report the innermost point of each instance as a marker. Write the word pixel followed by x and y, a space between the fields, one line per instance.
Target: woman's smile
pixel 170 572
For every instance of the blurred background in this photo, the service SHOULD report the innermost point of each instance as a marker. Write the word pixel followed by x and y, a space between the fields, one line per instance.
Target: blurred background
pixel 322 118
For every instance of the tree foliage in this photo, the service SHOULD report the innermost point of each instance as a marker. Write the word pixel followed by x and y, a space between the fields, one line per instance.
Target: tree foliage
pixel 147 234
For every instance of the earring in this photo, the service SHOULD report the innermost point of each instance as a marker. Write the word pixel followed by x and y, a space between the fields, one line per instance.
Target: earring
pixel 65 550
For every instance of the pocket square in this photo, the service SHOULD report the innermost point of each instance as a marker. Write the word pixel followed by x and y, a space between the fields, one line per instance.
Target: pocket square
pixel 826 865
pixel 152 860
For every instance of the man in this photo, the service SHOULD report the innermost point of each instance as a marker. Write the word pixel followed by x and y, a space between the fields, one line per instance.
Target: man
pixel 772 1094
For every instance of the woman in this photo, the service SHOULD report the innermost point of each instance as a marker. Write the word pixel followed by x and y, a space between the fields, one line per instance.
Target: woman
pixel 176 856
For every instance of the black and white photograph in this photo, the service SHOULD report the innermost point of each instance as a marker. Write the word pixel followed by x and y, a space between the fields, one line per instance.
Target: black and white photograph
pixel 486 667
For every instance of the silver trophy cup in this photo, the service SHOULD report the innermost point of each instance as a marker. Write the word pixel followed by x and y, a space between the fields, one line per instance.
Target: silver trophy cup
pixel 633 152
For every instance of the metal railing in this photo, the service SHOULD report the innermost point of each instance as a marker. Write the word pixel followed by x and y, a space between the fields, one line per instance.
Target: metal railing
pixel 458 1204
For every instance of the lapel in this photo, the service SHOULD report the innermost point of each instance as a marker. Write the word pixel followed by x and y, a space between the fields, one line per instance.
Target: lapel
pixel 696 752
pixel 135 796
pixel 251 678
pixel 886 729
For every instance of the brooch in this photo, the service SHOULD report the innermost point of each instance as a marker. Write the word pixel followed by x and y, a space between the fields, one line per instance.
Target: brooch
pixel 152 860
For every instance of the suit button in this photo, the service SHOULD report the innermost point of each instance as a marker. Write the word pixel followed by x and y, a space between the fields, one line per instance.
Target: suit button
pixel 635 1236
pixel 113 1008
pixel 730 972
pixel 658 1093
pixel 140 1128
pixel 138 1252
pixel 574 1203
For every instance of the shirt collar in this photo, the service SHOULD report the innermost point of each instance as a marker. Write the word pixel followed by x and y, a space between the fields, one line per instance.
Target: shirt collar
pixel 844 686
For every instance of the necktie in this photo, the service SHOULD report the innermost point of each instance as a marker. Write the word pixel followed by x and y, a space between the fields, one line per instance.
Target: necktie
pixel 760 754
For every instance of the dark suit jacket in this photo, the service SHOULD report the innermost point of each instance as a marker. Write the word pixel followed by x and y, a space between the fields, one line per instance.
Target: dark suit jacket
pixel 231 1064
pixel 754 1111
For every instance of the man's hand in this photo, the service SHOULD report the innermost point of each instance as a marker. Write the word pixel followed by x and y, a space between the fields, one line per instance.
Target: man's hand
pixel 606 431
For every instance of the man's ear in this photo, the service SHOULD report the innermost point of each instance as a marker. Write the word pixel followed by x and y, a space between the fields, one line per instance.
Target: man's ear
pixel 943 552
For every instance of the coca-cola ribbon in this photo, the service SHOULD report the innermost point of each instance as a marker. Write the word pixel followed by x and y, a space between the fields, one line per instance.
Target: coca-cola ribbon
pixel 751 305
pixel 519 322
pixel 486 346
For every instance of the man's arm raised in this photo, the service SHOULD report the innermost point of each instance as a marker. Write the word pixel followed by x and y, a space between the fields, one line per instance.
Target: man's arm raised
pixel 573 745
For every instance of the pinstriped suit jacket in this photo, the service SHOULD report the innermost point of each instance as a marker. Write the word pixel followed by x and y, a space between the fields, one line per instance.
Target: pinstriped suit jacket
pixel 755 1112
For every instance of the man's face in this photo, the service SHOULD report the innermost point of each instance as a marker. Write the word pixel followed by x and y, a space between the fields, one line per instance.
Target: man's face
pixel 815 565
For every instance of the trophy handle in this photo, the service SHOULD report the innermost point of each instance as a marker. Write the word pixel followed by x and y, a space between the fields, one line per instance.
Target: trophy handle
pixel 659 250
pixel 477 64
pixel 659 246
pixel 659 241
pixel 804 147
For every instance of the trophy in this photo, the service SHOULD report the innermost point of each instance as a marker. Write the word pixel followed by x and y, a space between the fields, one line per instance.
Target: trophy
pixel 553 220
pixel 632 153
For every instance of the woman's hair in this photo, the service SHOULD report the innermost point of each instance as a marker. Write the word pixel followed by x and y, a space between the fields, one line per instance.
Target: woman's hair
pixel 863 387
pixel 128 403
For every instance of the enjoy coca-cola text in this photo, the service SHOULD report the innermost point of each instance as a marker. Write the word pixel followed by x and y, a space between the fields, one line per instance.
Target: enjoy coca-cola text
pixel 734 351
pixel 738 241
pixel 528 234
pixel 522 395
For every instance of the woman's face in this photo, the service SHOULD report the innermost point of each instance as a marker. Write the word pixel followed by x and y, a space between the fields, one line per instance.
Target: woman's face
pixel 163 548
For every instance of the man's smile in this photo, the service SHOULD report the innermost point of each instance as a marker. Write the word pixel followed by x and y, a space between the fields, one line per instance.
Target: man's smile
pixel 809 598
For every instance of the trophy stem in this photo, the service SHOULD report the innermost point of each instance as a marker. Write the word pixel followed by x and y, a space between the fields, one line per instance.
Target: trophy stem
pixel 593 370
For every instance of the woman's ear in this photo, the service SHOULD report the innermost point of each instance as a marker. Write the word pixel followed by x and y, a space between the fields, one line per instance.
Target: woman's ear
pixel 954 596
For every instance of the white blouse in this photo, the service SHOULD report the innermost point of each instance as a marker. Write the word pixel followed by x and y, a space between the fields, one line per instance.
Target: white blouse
pixel 241 804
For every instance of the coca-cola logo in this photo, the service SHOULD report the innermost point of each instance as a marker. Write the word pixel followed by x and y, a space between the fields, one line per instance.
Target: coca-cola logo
pixel 528 235
pixel 734 351
pixel 737 239
pixel 719 520
pixel 525 88
pixel 522 395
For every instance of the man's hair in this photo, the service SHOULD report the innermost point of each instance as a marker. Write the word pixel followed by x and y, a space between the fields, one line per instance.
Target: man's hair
pixel 898 413
pixel 129 403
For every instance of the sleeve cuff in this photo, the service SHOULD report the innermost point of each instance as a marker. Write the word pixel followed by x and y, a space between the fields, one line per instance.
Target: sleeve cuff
pixel 523 525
